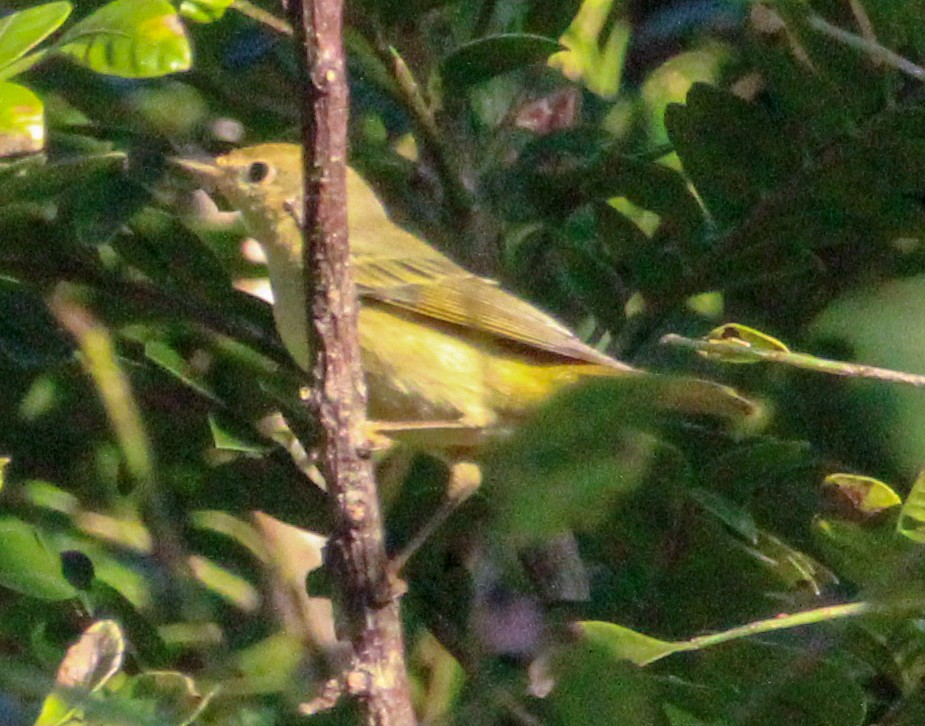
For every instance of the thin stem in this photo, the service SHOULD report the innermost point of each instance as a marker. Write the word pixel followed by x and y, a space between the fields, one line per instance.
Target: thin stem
pixel 877 52
pixel 737 351
pixel 262 16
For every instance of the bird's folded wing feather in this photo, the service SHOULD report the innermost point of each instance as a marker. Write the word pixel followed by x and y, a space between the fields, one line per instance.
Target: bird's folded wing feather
pixel 437 288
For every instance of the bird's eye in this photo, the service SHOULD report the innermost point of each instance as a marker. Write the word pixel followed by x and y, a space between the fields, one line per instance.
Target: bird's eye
pixel 257 172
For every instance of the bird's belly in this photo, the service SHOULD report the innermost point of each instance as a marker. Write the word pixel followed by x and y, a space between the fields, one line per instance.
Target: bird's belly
pixel 418 370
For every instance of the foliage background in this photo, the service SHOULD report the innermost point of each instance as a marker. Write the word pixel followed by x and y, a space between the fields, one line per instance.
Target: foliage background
pixel 675 166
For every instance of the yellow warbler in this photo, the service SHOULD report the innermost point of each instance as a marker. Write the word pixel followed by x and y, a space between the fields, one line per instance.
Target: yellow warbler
pixel 448 355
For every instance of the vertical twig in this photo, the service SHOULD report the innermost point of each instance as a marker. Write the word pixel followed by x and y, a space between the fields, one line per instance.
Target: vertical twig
pixel 356 548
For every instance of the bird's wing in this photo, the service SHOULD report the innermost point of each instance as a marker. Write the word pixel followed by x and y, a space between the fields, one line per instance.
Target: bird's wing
pixel 435 287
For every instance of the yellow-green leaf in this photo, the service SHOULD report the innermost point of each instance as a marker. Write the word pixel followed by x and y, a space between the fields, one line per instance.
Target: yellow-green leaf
pixel 204 11
pixel 22 120
pixel 864 495
pixel 131 39
pixel 626 644
pixel 744 336
pixel 22 31
pixel 912 516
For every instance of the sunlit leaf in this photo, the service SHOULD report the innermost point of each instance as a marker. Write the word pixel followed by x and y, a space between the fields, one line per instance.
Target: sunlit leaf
pixel 204 11
pixel 625 644
pixel 596 62
pixel 912 515
pixel 28 566
pixel 22 31
pixel 744 336
pixel 866 496
pixel 131 39
pixel 22 120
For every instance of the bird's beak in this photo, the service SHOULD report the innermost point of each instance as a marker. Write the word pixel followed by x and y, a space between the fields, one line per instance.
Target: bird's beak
pixel 205 171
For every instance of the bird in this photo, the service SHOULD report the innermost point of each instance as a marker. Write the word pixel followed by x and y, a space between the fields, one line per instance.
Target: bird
pixel 451 359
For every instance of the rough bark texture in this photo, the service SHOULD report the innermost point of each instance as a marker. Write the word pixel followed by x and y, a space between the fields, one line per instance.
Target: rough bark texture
pixel 356 549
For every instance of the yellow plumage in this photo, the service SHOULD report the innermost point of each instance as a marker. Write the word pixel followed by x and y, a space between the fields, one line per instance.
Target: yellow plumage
pixel 442 348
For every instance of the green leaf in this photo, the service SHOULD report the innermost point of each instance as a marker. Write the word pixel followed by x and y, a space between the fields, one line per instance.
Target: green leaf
pixel 22 120
pixel 29 336
pixel 166 697
pixel 22 31
pixel 866 496
pixel 731 149
pixel 733 516
pixel 28 566
pixel 911 522
pixel 538 482
pixel 744 336
pixel 486 58
pixel 204 11
pixel 598 64
pixel 230 435
pixel 35 182
pixel 170 360
pixel 625 644
pixel 22 65
pixel 130 39
pixel 167 252
pixel 593 687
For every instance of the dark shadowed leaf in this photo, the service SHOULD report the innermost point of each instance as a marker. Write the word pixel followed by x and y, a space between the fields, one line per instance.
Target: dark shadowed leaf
pixel 486 58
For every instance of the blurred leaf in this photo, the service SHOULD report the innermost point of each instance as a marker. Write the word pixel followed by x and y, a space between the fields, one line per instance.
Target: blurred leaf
pixel 774 686
pixel 870 555
pixel 38 182
pixel 537 484
pixel 736 518
pixel 591 687
pixel 147 645
pixel 22 31
pixel 131 39
pixel 29 336
pixel 204 11
pixel 730 149
pixel 232 588
pixel 229 435
pixel 485 58
pixel 794 568
pixel 166 697
pixel 911 522
pixel 170 360
pixel 22 120
pixel 88 665
pixel 868 497
pixel 167 252
pixel 595 62
pixel 28 566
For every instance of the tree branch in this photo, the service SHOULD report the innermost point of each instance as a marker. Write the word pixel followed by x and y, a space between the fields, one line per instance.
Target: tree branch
pixel 356 549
